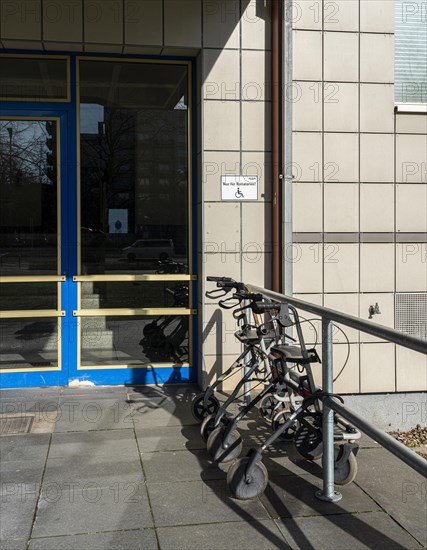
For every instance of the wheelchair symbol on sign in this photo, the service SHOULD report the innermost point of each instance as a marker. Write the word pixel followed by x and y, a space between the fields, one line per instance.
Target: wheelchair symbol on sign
pixel 239 194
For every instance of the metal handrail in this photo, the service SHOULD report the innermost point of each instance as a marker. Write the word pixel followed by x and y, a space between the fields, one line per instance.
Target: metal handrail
pixel 330 404
pixel 380 331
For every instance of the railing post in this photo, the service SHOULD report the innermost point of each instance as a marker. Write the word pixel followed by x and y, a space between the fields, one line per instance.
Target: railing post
pixel 328 493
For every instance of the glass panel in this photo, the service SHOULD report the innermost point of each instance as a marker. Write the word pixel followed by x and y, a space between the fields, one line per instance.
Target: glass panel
pixel 28 343
pixel 134 166
pixel 29 194
pixel 134 295
pixel 15 296
pixel 31 78
pixel 134 340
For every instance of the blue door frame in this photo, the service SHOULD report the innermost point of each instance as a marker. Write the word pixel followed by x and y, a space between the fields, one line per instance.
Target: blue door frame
pixel 67 114
pixel 68 257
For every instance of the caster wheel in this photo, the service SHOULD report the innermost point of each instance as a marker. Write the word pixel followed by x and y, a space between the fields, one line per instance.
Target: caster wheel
pixel 344 471
pixel 279 419
pixel 268 408
pixel 247 489
pixel 198 410
pixel 216 449
pixel 208 426
pixel 308 442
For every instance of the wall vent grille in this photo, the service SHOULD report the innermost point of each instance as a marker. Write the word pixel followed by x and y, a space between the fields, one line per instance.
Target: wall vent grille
pixel 410 314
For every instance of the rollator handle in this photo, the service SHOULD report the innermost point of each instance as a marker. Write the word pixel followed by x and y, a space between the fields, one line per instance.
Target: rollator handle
pixel 263 307
pixel 220 279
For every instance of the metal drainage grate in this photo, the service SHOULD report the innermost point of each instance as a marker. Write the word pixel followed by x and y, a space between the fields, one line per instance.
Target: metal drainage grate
pixel 15 425
pixel 411 314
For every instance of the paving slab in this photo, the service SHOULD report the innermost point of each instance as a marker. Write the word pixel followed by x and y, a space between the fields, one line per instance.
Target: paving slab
pixel 44 407
pixel 174 466
pixel 112 443
pixel 397 488
pixel 366 442
pixel 141 539
pixel 86 413
pixel 90 508
pixel 197 502
pixel 16 544
pixel 262 534
pixel 169 414
pixel 153 397
pixel 107 473
pixel 104 457
pixel 284 459
pixel 17 506
pixel 94 391
pixel 291 496
pixel 21 473
pixel 96 494
pixel 31 447
pixel 182 393
pixel 169 438
pixel 344 531
pixel 22 463
pixel 31 394
pixel 155 407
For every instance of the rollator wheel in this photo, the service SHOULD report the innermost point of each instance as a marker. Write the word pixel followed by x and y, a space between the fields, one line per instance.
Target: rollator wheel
pixel 308 442
pixel 344 472
pixel 247 489
pixel 216 449
pixel 268 408
pixel 198 410
pixel 208 426
pixel 279 419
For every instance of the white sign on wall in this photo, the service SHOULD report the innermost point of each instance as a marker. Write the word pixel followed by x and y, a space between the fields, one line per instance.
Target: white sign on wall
pixel 117 220
pixel 239 188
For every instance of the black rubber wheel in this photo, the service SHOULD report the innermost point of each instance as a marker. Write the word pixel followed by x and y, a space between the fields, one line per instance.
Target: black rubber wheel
pixel 216 449
pixel 268 408
pixel 198 410
pixel 247 489
pixel 308 442
pixel 279 419
pixel 345 472
pixel 208 426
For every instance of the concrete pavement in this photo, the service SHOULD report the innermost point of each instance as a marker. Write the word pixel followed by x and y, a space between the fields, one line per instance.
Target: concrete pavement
pixel 123 467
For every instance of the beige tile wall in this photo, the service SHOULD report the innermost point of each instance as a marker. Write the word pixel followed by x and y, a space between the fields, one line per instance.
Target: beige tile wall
pixel 360 192
pixel 116 26
pixel 236 140
pixel 411 370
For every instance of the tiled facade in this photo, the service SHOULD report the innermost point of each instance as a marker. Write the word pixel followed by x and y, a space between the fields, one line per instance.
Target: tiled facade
pixel 360 189
pixel 362 172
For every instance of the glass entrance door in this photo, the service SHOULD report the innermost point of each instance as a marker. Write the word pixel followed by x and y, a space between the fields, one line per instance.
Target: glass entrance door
pixel 96 211
pixel 31 277
pixel 135 294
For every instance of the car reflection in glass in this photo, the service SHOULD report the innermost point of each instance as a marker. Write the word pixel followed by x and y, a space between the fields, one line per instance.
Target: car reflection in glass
pixel 148 249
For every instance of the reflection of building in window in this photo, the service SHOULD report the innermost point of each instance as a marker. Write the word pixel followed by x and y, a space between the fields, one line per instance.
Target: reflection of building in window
pixel 134 152
pixel 28 178
pixel 138 150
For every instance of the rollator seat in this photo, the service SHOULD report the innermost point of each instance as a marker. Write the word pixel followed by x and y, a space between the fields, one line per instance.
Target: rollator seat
pixel 293 354
pixel 247 336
